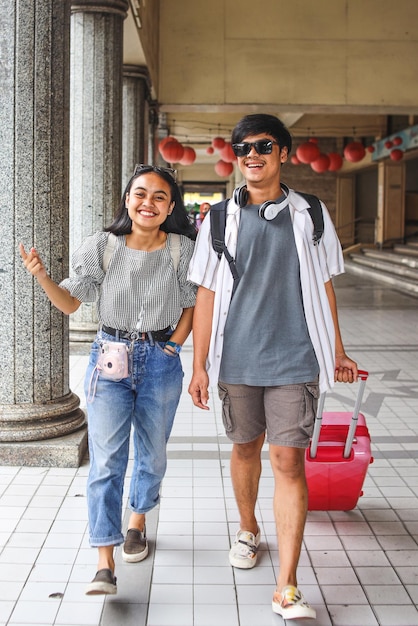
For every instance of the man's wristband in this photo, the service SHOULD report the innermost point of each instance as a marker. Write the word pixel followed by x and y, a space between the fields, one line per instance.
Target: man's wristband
pixel 176 346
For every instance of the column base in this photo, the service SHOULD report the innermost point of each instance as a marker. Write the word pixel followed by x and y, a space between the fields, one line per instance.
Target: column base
pixel 66 451
pixel 82 333
pixel 82 336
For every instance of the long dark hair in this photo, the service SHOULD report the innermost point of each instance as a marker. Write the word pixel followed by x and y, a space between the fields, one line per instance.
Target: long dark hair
pixel 178 222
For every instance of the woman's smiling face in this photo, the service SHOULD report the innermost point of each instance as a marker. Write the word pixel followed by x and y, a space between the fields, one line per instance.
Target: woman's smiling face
pixel 149 200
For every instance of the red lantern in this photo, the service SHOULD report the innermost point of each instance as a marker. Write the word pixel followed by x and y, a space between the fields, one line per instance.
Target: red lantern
pixel 223 169
pixel 172 152
pixel 164 142
pixel 218 143
pixel 335 162
pixel 396 154
pixel 397 141
pixel 189 156
pixel 294 159
pixel 371 149
pixel 307 152
pixel 227 153
pixel 210 150
pixel 321 164
pixel 388 144
pixel 354 151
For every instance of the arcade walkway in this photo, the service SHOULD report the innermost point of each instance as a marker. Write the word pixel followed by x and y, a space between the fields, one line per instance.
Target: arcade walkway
pixel 358 568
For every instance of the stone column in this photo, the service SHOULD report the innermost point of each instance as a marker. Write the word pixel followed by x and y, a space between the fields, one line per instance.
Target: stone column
pixel 135 119
pixel 95 128
pixel 40 419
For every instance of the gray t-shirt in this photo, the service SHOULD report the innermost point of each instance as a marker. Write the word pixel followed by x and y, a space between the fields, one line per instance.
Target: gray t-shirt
pixel 266 340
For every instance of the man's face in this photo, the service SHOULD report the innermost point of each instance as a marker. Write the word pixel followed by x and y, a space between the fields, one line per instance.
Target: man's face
pixel 262 168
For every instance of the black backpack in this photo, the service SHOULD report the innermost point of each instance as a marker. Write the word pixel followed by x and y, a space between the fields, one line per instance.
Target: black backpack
pixel 218 222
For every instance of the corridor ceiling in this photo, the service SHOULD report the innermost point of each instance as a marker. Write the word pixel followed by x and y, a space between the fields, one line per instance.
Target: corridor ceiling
pixel 332 69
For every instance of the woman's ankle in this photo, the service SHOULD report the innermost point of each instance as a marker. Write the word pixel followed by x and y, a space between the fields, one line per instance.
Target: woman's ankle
pixel 137 521
pixel 106 560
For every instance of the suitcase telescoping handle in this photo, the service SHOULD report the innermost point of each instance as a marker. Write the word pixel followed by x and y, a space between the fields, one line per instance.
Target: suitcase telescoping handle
pixel 362 377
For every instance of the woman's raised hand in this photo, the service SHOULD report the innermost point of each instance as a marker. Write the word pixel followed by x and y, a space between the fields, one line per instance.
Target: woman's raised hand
pixel 33 262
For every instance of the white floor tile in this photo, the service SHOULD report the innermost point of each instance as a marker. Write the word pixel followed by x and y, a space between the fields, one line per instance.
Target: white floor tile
pixel 396 616
pixel 86 613
pixel 206 594
pixel 213 575
pixel 180 615
pixel 336 594
pixel 40 612
pixel 171 594
pixel 214 615
pixel 352 615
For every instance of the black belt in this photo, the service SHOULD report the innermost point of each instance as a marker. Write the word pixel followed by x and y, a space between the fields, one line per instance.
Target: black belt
pixel 135 335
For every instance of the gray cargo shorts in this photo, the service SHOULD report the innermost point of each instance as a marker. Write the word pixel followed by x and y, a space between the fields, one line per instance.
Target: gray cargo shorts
pixel 286 412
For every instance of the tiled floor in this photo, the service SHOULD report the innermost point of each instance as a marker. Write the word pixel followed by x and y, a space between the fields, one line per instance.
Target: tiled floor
pixel 358 568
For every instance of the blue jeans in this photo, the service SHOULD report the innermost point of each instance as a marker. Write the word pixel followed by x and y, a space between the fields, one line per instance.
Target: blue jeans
pixel 147 400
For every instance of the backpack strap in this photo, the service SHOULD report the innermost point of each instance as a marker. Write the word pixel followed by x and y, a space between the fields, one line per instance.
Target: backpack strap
pixel 174 245
pixel 315 211
pixel 108 251
pixel 217 215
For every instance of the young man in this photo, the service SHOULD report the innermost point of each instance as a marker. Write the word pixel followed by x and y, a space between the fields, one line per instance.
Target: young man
pixel 273 346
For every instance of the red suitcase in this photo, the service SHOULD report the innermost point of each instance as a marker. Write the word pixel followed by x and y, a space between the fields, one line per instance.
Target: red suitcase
pixel 337 460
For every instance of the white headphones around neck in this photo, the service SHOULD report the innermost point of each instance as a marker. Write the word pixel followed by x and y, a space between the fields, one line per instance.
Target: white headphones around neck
pixel 269 209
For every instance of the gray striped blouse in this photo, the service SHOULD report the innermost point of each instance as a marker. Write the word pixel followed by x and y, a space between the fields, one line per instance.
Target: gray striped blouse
pixel 139 290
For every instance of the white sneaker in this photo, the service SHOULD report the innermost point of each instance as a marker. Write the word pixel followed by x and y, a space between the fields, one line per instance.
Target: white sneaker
pixel 243 553
pixel 292 605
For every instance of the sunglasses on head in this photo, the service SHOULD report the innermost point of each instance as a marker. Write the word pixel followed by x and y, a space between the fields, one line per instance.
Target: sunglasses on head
pixel 263 146
pixel 142 168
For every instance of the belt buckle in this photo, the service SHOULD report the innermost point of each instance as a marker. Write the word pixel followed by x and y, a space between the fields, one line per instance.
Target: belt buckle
pixel 135 335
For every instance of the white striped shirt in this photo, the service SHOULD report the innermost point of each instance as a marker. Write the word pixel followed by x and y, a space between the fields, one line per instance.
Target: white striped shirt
pixel 318 264
pixel 137 284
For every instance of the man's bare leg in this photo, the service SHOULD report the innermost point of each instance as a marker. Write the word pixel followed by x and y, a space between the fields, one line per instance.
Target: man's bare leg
pixel 290 509
pixel 245 475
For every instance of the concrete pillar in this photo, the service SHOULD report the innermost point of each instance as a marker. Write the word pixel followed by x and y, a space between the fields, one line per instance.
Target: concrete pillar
pixel 40 419
pixel 135 119
pixel 345 212
pixel 390 222
pixel 95 128
pixel 153 153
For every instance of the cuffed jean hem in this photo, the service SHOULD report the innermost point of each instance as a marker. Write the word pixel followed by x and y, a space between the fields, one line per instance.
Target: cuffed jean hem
pixel 144 510
pixel 101 542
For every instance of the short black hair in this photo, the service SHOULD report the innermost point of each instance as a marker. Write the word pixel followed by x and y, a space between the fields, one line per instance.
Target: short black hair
pixel 259 123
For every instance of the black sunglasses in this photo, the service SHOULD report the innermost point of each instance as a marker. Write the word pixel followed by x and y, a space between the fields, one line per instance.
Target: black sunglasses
pixel 141 168
pixel 263 146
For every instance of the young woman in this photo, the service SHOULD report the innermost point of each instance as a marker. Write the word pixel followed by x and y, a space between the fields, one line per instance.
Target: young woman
pixel 134 377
